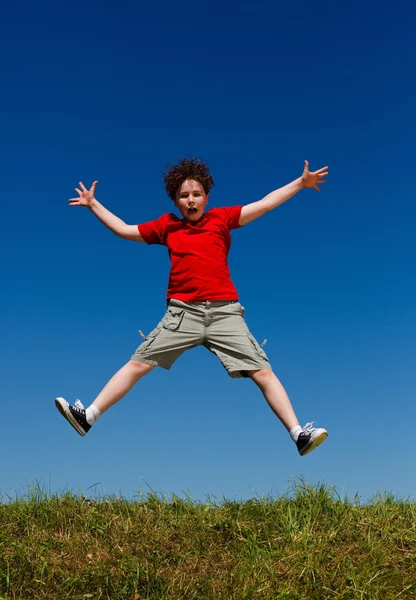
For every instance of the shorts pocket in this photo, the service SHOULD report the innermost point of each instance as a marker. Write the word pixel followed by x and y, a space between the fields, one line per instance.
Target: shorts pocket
pixel 173 318
pixel 259 350
pixel 149 339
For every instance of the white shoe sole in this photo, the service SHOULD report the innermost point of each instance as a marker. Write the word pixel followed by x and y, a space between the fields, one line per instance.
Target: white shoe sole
pixel 63 406
pixel 316 440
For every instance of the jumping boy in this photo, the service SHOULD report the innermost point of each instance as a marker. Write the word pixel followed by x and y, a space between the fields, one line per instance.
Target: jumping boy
pixel 202 302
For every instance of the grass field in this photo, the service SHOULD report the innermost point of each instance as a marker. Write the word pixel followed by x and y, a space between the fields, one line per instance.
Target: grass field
pixel 310 544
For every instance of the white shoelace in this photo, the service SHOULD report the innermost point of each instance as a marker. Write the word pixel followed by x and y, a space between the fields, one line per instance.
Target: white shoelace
pixel 309 427
pixel 79 404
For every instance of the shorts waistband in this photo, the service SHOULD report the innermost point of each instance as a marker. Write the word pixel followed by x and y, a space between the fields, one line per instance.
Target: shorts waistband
pixel 204 303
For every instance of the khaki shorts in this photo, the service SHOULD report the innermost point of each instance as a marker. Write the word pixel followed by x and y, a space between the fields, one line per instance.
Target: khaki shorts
pixel 219 326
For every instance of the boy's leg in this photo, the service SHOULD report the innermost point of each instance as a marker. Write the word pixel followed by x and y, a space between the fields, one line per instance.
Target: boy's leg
pixel 230 339
pixel 178 331
pixel 306 438
pixel 276 396
pixel 118 386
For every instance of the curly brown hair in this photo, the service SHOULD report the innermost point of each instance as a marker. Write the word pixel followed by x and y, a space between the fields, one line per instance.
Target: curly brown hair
pixel 187 168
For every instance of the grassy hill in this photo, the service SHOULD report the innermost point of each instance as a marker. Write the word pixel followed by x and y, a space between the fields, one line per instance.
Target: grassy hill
pixel 307 545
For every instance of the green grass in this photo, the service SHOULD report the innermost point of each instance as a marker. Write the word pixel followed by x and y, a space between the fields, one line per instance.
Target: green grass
pixel 309 544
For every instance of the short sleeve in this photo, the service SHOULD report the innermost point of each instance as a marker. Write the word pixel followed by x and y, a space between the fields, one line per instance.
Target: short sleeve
pixel 230 215
pixel 154 232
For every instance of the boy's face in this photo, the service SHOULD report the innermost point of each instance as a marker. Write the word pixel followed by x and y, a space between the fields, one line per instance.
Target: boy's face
pixel 191 200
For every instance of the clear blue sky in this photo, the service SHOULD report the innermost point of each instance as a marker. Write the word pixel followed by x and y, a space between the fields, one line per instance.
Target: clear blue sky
pixel 114 93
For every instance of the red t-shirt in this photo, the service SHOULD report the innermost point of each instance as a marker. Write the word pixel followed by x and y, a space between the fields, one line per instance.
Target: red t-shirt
pixel 198 252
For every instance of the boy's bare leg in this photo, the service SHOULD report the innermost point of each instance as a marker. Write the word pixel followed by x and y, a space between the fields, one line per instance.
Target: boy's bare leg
pixel 82 419
pixel 120 384
pixel 276 396
pixel 307 438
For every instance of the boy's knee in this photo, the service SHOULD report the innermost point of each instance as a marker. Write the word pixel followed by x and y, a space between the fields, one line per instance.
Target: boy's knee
pixel 140 368
pixel 261 376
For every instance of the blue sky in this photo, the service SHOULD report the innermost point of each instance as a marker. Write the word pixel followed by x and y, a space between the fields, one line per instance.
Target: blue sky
pixel 114 93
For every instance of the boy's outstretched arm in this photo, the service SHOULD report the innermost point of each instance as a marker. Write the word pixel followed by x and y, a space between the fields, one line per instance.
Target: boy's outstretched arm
pixel 309 179
pixel 87 198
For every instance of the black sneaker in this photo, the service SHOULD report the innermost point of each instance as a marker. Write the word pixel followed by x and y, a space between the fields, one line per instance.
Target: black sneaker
pixel 74 414
pixel 310 438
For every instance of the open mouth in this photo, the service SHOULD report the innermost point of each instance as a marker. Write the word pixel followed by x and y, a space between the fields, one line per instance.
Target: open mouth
pixel 192 210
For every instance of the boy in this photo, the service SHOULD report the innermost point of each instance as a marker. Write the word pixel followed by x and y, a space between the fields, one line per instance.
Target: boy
pixel 202 302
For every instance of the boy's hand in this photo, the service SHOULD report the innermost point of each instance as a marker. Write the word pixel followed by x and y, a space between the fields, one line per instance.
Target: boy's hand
pixel 85 196
pixel 314 178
